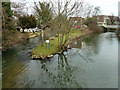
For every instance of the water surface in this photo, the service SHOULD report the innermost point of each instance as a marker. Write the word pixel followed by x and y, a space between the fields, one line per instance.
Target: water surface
pixel 92 63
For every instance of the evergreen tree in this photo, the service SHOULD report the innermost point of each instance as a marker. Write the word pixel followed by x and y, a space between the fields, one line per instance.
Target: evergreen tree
pixel 7 19
pixel 27 21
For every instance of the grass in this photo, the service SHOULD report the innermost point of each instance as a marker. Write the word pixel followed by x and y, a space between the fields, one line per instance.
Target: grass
pixel 42 51
pixel 75 33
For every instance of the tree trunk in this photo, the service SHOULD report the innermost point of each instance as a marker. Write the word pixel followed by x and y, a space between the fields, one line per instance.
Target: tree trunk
pixel 42 44
pixel 58 38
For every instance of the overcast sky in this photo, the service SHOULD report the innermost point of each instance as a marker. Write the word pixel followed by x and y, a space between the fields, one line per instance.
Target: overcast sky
pixel 108 7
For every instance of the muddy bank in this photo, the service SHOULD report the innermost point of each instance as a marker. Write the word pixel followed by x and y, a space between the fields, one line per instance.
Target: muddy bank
pixel 11 38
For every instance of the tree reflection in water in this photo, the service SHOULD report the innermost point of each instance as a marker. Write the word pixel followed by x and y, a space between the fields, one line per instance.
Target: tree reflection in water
pixel 65 77
pixel 87 47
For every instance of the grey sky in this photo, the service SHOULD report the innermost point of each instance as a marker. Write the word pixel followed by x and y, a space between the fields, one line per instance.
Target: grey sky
pixel 108 7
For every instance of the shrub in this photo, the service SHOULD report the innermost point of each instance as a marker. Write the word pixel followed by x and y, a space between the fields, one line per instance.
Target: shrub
pixel 10 38
pixel 94 27
pixel 27 21
pixel 91 22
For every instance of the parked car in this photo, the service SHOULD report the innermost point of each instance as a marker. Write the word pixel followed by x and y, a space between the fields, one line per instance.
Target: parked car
pixel 32 30
pixel 21 30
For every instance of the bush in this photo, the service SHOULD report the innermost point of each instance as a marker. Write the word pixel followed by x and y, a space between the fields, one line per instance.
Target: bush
pixel 91 22
pixel 10 38
pixel 27 21
pixel 94 27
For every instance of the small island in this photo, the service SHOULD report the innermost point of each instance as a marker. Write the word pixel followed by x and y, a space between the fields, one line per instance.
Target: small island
pixel 40 52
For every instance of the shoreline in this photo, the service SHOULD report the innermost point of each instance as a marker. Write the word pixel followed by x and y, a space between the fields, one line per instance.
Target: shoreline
pixel 22 39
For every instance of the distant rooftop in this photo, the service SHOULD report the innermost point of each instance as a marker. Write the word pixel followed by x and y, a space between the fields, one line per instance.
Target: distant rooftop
pixel 76 17
pixel 105 15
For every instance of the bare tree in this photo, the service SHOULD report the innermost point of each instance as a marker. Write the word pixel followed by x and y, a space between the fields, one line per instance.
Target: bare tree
pixel 96 11
pixel 90 10
pixel 19 8
pixel 87 9
pixel 112 19
pixel 61 22
pixel 44 15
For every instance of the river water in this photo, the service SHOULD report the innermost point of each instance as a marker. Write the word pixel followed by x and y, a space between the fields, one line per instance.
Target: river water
pixel 91 63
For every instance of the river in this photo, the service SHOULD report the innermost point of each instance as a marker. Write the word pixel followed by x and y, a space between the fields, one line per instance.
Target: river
pixel 91 63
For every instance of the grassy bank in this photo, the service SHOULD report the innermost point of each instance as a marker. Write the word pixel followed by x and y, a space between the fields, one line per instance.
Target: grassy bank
pixel 32 35
pixel 42 52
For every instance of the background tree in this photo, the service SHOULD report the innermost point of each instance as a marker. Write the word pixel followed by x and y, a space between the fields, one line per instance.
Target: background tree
pixel 96 11
pixel 19 9
pixel 10 36
pixel 90 10
pixel 92 24
pixel 7 19
pixel 44 15
pixel 27 21
pixel 112 20
pixel 90 20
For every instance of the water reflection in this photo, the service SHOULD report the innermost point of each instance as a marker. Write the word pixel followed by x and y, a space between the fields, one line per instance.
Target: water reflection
pixel 65 73
pixel 60 75
pixel 76 43
pixel 85 47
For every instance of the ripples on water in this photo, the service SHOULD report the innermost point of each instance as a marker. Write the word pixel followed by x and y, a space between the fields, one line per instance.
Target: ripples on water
pixel 92 63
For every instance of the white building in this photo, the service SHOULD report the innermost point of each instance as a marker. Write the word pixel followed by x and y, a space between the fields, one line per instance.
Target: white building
pixel 102 19
pixel 105 19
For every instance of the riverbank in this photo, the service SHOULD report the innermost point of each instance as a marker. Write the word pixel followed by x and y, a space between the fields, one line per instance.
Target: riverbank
pixel 32 35
pixel 98 55
pixel 11 38
pixel 41 52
